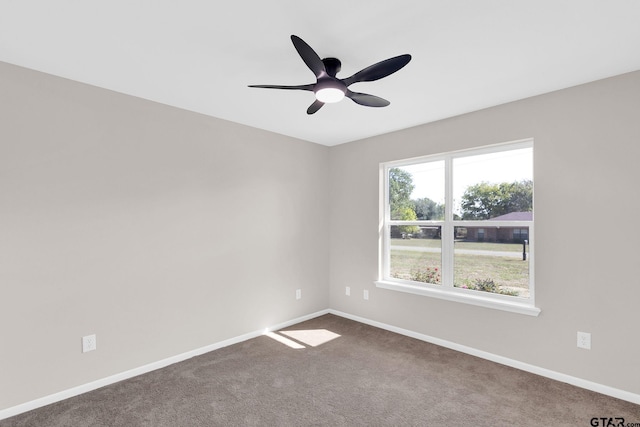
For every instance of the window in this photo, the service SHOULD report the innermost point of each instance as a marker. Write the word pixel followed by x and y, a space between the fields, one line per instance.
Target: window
pixel 458 226
pixel 520 234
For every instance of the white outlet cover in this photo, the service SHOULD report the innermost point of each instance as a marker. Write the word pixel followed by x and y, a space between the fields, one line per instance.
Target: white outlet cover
pixel 584 340
pixel 298 293
pixel 89 343
pixel 348 291
pixel 366 294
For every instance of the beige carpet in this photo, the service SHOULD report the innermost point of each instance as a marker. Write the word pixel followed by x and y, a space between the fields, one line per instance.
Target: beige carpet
pixel 344 373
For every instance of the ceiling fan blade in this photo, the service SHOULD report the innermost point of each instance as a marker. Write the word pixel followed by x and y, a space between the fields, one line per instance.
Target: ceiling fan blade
pixel 379 70
pixel 367 100
pixel 315 107
pixel 309 56
pixel 298 87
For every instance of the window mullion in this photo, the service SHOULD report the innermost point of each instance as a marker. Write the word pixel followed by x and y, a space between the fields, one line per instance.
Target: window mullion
pixel 447 227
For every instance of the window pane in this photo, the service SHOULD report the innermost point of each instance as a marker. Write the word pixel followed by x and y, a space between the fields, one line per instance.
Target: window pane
pixel 416 253
pixel 416 192
pixel 494 186
pixel 495 261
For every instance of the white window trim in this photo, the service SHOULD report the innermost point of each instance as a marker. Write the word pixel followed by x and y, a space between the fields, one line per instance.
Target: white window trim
pixel 447 291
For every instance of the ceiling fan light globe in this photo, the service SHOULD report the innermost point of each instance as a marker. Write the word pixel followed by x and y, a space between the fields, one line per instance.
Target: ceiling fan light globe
pixel 330 95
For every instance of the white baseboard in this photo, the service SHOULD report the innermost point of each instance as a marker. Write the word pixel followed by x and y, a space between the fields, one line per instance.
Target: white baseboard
pixel 578 382
pixel 65 394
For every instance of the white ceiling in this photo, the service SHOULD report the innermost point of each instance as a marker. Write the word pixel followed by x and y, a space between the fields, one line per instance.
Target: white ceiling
pixel 200 55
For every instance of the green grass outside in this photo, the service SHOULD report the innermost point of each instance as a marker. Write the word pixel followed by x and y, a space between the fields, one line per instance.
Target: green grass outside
pixel 509 273
pixel 481 246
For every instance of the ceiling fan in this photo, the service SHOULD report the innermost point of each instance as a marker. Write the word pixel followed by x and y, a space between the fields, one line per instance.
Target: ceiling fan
pixel 328 88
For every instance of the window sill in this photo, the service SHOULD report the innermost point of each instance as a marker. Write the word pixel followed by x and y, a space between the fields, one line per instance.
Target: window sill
pixel 479 300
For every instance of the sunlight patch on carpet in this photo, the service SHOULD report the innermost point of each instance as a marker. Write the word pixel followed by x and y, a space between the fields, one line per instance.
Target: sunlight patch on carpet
pixel 284 340
pixel 312 337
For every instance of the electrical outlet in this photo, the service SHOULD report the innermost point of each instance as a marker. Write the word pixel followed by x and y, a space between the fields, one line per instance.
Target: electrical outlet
pixel 298 293
pixel 348 291
pixel 584 340
pixel 366 294
pixel 89 343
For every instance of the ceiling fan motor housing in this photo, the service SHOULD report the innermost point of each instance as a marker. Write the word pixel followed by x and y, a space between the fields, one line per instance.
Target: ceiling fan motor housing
pixel 332 65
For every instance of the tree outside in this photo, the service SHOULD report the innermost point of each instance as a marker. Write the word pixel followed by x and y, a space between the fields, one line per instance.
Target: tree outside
pixel 485 200
pixel 427 209
pixel 400 189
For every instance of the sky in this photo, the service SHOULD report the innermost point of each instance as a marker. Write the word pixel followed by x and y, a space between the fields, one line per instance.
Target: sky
pixel 504 166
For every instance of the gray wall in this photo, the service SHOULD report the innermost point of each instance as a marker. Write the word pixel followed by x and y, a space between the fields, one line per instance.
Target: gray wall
pixel 586 171
pixel 157 229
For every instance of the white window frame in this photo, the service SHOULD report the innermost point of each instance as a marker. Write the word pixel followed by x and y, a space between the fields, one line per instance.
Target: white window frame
pixel 446 290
